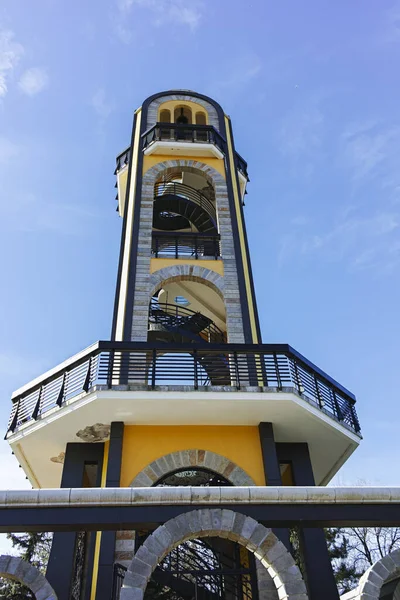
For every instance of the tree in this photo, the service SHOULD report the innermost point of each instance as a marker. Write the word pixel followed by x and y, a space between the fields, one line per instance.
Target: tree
pixel 354 549
pixel 35 549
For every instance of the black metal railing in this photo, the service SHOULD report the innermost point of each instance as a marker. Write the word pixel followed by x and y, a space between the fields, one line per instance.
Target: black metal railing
pixel 180 318
pixel 122 159
pixel 241 165
pixel 185 245
pixel 118 580
pixel 146 364
pixel 174 188
pixel 164 132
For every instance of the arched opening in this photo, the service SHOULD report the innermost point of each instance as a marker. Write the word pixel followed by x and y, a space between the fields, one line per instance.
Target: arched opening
pixel 183 115
pixel 201 118
pixel 205 569
pixel 165 116
pixel 233 541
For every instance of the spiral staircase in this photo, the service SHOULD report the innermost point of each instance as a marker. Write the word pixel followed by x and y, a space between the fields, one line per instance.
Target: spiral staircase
pixel 178 206
pixel 177 324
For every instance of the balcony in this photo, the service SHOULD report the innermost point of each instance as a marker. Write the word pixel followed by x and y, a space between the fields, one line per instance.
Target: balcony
pixel 150 136
pixel 185 245
pixel 275 367
pixel 169 383
pixel 183 140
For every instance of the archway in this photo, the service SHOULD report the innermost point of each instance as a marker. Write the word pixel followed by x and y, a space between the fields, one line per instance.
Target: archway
pixel 215 522
pixel 13 567
pixel 194 457
pixel 373 580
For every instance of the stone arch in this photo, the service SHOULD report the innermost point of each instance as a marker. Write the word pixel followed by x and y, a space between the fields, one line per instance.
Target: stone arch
pixel 13 567
pixel 192 458
pixel 186 273
pixel 374 578
pixel 215 522
pixel 152 110
pixel 142 282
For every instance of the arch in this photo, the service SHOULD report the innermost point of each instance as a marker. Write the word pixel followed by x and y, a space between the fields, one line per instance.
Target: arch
pixel 13 567
pixel 230 284
pixel 374 578
pixel 152 109
pixel 215 522
pixel 165 116
pixel 183 111
pixel 201 118
pixel 192 458
pixel 170 166
pixel 185 272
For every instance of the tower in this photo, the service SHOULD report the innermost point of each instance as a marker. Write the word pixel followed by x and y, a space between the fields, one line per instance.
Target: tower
pixel 184 393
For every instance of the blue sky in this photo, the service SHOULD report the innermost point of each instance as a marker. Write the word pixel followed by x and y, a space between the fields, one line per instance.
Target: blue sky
pixel 313 92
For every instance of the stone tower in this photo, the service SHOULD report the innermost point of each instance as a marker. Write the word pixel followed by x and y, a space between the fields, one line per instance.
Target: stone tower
pixel 184 393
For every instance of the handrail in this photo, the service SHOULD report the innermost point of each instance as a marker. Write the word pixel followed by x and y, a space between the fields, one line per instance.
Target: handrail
pixel 162 132
pixel 151 364
pixel 167 244
pixel 182 190
pixel 178 316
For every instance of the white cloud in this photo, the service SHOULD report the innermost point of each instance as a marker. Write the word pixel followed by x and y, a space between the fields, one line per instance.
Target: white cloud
pixel 180 12
pixel 33 81
pixel 101 104
pixel 370 151
pixel 10 54
pixel 361 242
pixel 8 150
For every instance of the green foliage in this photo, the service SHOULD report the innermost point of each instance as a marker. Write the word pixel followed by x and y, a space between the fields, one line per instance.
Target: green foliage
pixel 35 549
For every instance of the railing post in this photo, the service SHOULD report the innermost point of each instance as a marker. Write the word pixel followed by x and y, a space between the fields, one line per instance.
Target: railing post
pixel 320 400
pixel 60 398
pixel 110 369
pixel 196 255
pixel 278 375
pixel 14 422
pixel 237 372
pixel 176 248
pixel 37 405
pixel 354 419
pixel 336 405
pixel 86 383
pixel 196 375
pixel 298 381
pixel 156 249
pixel 153 370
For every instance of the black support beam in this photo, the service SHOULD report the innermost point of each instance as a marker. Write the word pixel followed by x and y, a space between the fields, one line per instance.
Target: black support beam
pixel 108 538
pixel 277 514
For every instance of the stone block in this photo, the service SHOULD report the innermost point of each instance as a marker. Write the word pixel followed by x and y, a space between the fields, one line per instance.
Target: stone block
pixel 228 517
pixel 262 495
pixel 131 593
pixel 134 580
pixel 235 494
pixel 283 562
pixel 321 494
pixel 205 495
pixel 248 528
pixel 348 494
pixel 292 494
pixel 259 535
pixel 206 523
pixel 142 568
pixel 21 497
pixel 4 560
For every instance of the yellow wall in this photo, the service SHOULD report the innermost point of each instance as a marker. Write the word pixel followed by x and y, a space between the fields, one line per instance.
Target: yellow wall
pixel 159 263
pixel 172 104
pixel 216 163
pixel 144 443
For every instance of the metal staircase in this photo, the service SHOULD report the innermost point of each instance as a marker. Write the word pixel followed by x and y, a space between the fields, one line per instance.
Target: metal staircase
pixel 178 324
pixel 177 206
